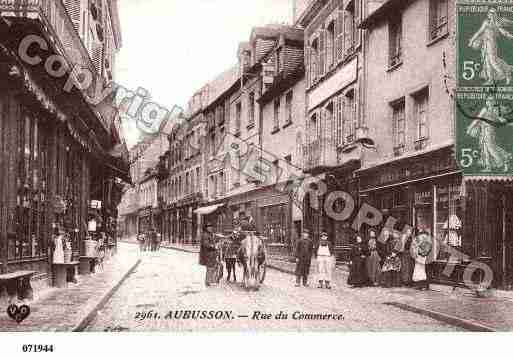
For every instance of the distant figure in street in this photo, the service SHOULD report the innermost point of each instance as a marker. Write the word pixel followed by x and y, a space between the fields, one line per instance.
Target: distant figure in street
pixel 358 271
pixel 373 260
pixel 159 241
pixel 304 249
pixel 147 241
pixel 208 254
pixel 325 256
pixel 141 239
pixel 153 239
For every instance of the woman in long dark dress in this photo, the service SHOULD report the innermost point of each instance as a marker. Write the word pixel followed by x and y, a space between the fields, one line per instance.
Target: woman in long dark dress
pixel 373 260
pixel 358 272
pixel 407 261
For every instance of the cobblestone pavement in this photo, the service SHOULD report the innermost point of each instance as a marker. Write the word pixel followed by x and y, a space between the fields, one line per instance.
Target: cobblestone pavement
pixel 172 281
pixel 63 309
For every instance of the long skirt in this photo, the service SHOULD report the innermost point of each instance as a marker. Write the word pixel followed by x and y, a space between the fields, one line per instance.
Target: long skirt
pixel 373 267
pixel 390 279
pixel 419 272
pixel 358 272
pixel 407 263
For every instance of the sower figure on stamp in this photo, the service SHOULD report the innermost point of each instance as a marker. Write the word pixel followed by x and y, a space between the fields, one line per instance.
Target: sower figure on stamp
pixel 304 252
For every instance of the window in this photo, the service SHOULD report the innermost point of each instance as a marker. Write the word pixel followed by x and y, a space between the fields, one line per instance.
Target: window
pixel 330 45
pixel 350 116
pixel 276 114
pixel 438 22
pixel 349 28
pixel 213 143
pixel 222 186
pixel 198 180
pixel 421 114
pixel 251 109
pixel 395 30
pixel 314 53
pixel 399 126
pixel 279 60
pixel 238 114
pixel 339 120
pixel 30 211
pixel 288 106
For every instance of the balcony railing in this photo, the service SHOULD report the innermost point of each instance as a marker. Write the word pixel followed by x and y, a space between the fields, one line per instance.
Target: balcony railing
pixel 320 153
pixel 54 17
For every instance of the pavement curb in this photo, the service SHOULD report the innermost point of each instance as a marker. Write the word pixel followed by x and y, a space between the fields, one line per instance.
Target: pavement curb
pixel 91 314
pixel 445 318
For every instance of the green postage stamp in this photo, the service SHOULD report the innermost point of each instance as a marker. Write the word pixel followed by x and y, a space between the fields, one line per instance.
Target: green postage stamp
pixel 484 98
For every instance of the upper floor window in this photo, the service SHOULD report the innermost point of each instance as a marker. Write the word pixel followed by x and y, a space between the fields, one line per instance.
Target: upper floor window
pixel 438 18
pixel 330 45
pixel 251 109
pixel 288 107
pixel 350 116
pixel 238 115
pixel 279 60
pixel 314 53
pixel 421 113
pixel 399 125
pixel 350 27
pixel 276 114
pixel 395 33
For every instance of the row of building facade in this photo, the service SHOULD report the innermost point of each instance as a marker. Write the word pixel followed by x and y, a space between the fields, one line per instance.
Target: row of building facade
pixel 355 94
pixel 59 151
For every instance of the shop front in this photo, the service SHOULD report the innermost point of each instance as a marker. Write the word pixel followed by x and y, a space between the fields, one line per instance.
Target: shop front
pixel 429 193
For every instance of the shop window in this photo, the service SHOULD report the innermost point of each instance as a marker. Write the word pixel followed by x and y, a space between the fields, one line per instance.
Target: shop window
pixel 31 178
pixel 275 224
pixel 424 208
pixel 350 116
pixel 449 215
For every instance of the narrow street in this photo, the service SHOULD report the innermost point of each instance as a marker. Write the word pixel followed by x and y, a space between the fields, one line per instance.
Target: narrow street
pixel 172 281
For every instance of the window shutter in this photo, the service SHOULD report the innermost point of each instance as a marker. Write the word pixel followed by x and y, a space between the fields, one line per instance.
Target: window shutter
pixel 307 63
pixel 340 35
pixel 322 52
pixel 347 31
pixel 357 18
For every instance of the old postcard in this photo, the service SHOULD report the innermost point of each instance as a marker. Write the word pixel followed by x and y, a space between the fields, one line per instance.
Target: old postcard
pixel 270 165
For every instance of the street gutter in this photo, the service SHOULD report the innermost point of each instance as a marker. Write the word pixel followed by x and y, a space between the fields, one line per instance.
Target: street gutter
pixel 95 307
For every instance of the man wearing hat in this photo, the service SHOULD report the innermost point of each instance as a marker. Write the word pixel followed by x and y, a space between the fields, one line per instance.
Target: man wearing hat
pixel 323 252
pixel 208 253
pixel 304 249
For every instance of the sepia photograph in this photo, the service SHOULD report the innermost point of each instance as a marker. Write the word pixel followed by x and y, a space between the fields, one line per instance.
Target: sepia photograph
pixel 214 166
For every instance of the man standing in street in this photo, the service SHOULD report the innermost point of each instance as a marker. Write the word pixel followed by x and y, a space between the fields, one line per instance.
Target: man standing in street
pixel 304 250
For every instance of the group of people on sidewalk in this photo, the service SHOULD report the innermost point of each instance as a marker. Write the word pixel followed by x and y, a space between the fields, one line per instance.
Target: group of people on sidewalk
pixel 149 241
pixel 392 260
pixel 389 261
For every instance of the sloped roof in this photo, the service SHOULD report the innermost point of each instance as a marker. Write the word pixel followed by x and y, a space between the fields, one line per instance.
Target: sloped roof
pixel 222 83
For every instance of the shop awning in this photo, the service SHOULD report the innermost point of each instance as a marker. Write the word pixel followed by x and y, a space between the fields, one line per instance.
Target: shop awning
pixel 208 209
